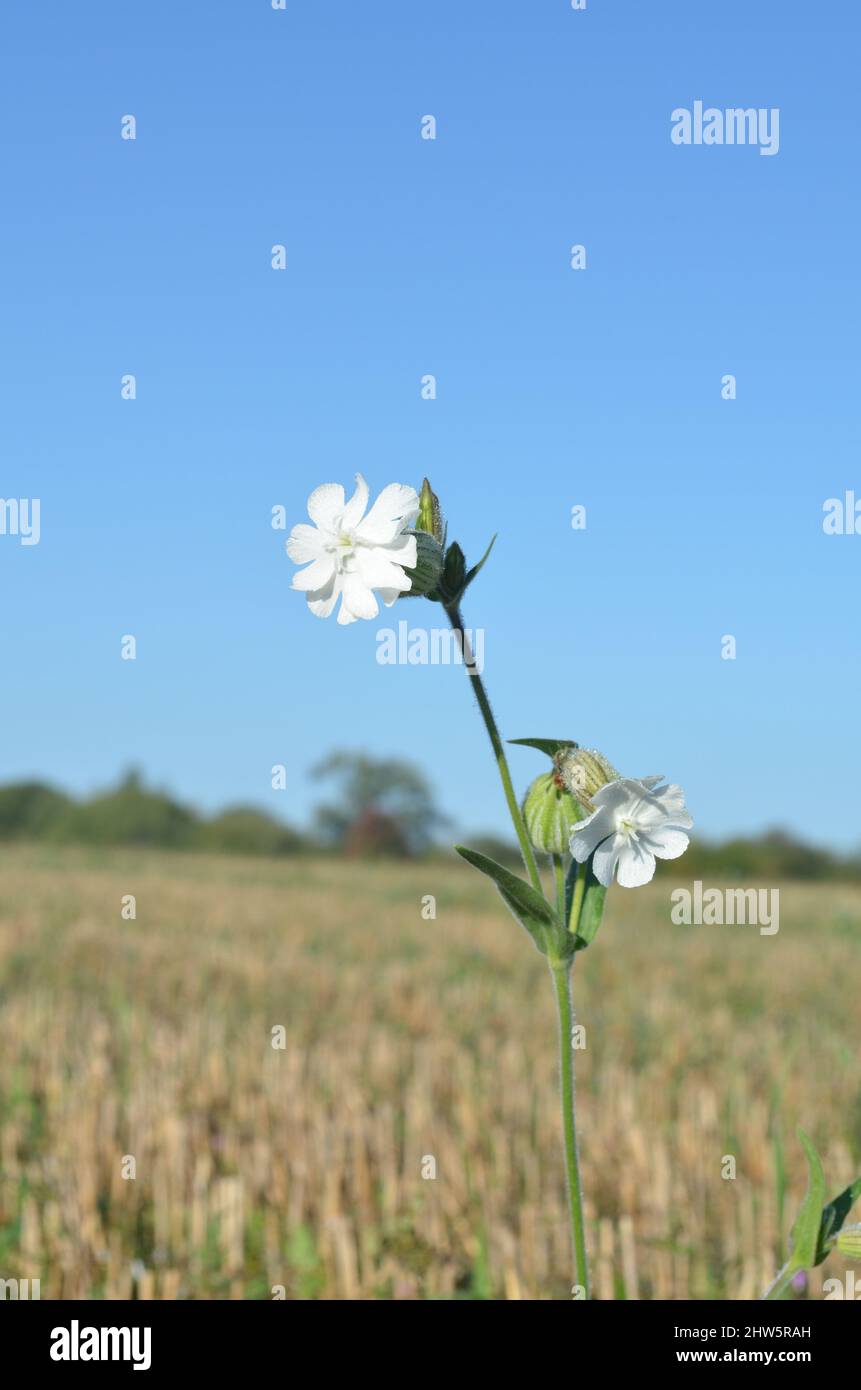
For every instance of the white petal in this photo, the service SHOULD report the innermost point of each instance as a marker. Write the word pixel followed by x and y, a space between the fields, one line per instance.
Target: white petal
pixel 587 834
pixel 390 596
pixel 670 795
pixel 403 551
pixel 322 601
pixel 326 504
pixel 316 576
pixel 636 865
pixel 667 842
pixel 304 543
pixel 606 859
pixel 641 805
pixel 355 508
pixel 672 800
pixel 396 508
pixel 379 572
pixel 613 795
pixel 358 600
pixel 663 803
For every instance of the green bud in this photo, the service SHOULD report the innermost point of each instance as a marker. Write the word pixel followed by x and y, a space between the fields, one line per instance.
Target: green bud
pixel 583 772
pixel 430 517
pixel 428 566
pixel 454 573
pixel 849 1242
pixel 549 812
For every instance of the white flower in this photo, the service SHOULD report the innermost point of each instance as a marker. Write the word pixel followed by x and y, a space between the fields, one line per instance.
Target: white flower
pixel 634 824
pixel 348 554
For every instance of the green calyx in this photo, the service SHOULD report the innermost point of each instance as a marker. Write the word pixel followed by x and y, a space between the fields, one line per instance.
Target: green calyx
pixel 426 573
pixel 452 578
pixel 849 1242
pixel 583 771
pixel 549 811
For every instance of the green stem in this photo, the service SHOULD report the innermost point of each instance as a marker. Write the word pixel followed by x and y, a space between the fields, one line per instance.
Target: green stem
pixel 559 874
pixel 560 970
pixel 781 1282
pixel 454 617
pixel 561 976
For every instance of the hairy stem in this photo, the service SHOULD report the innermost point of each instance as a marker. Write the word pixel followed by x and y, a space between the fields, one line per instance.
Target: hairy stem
pixel 456 620
pixel 559 875
pixel 781 1282
pixel 561 972
pixel 560 969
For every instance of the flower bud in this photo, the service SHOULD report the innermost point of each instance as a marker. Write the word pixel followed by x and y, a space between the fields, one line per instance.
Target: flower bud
pixel 428 566
pixel 583 772
pixel 430 517
pixel 549 812
pixel 849 1242
pixel 454 573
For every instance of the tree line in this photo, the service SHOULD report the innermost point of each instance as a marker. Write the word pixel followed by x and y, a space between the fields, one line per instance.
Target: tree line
pixel 377 808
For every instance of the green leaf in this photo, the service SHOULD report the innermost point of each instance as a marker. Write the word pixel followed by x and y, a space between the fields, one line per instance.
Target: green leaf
pixel 550 746
pixel 476 568
pixel 805 1232
pixel 779 1179
pixel 834 1216
pixel 591 912
pixel 527 905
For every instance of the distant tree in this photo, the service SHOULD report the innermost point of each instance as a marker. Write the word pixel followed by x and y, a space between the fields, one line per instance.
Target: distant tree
pixel 130 815
pixel 775 855
pixel 384 805
pixel 30 810
pixel 374 835
pixel 246 830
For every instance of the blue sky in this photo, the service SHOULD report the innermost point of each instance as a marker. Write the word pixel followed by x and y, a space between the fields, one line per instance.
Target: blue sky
pixel 556 387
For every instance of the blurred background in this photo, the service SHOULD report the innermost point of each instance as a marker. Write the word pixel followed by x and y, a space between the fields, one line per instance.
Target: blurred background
pixel 298 901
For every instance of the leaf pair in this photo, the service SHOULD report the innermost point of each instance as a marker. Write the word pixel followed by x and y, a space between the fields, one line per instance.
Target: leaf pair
pixel 533 911
pixel 525 902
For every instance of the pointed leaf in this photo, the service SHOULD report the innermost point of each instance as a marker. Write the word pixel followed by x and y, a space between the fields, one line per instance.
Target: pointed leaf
pixel 805 1232
pixel 834 1216
pixel 550 746
pixel 527 905
pixel 475 569
pixel 591 912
